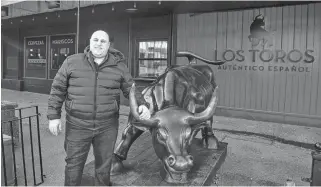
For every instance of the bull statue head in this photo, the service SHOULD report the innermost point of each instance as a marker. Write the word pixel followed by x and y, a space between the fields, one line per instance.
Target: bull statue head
pixel 173 130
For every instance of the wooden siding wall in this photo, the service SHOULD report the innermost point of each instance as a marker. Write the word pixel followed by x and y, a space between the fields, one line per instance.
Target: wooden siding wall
pixel 295 27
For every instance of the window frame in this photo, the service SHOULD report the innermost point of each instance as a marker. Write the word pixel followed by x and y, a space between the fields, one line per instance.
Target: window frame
pixel 137 58
pixel 6 9
pixel 50 55
pixel 25 57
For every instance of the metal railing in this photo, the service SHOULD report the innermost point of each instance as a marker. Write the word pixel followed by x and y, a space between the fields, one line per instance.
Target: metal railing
pixel 23 147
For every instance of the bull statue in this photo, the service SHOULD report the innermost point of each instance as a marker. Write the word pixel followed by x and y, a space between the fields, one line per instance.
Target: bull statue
pixel 182 102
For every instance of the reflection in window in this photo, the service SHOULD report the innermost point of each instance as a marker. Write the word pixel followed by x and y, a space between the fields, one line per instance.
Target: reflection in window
pixel 36 51
pixel 152 58
pixel 36 57
pixel 58 57
pixel 61 46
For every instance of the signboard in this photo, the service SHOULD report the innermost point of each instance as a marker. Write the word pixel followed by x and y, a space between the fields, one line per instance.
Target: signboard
pixel 274 58
pixel 263 55
pixel 36 49
pixel 61 46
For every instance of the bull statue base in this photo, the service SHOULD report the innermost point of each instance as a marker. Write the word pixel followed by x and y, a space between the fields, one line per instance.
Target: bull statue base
pixel 182 102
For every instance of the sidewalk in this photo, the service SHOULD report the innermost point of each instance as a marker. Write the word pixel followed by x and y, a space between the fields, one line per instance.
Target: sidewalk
pixel 291 133
pixel 259 153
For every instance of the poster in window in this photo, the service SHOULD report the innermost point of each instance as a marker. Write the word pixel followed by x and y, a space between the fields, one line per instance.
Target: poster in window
pixel 61 46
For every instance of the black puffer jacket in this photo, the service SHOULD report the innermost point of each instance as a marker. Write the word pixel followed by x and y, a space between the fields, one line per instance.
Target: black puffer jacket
pixel 91 92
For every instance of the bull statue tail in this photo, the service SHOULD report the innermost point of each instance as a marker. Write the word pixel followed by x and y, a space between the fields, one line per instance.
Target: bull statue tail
pixel 192 58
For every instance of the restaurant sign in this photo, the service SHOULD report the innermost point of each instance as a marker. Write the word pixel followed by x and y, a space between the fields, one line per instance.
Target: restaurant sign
pixel 261 42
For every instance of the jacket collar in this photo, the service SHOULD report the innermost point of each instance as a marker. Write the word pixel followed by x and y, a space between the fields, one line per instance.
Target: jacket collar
pixel 113 57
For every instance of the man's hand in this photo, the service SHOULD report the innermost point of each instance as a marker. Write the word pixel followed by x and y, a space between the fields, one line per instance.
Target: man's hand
pixel 143 112
pixel 55 126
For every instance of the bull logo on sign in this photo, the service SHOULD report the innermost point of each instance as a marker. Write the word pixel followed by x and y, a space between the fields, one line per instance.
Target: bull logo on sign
pixel 259 34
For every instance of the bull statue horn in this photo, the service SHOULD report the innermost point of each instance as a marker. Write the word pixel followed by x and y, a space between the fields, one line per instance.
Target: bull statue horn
pixel 149 123
pixel 198 118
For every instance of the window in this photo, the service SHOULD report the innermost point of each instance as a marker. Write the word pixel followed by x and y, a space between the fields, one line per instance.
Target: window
pixel 4 11
pixel 36 57
pixel 61 46
pixel 152 58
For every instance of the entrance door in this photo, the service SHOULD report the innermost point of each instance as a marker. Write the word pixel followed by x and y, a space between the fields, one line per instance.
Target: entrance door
pixel 150 46
pixel 151 56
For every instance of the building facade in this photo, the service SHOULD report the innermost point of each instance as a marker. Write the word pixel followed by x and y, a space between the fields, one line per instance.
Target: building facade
pixel 272 73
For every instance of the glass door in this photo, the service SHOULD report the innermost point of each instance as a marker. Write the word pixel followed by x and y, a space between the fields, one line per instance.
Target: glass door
pixel 151 58
pixel 61 46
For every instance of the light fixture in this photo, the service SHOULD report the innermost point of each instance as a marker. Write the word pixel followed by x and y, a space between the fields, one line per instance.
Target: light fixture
pixel 33 19
pixel 75 13
pixel 46 17
pixel 93 10
pixel 21 21
pixel 58 15
pixel 53 4
pixel 112 8
pixel 11 22
pixel 159 2
pixel 131 10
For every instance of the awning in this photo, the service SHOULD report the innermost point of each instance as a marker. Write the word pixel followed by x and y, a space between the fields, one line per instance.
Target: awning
pixel 9 2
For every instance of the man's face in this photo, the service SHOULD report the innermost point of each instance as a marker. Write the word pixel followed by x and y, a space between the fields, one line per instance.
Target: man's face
pixel 99 44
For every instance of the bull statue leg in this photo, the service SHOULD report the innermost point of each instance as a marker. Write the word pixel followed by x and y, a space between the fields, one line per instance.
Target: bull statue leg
pixel 209 141
pixel 129 135
pixel 208 138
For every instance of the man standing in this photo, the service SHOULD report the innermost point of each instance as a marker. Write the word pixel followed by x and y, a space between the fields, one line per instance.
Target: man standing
pixel 90 83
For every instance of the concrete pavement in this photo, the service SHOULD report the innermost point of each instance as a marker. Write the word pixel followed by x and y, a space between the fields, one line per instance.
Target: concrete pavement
pixel 259 153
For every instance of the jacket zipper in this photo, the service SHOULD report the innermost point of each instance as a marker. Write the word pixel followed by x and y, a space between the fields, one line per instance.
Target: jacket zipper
pixel 95 91
pixel 95 97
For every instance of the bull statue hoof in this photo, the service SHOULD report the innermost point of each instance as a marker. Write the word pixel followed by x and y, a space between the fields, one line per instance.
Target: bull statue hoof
pixel 212 142
pixel 116 166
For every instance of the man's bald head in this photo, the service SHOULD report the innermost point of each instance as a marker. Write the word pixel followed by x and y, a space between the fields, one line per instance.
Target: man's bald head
pixel 100 33
pixel 99 44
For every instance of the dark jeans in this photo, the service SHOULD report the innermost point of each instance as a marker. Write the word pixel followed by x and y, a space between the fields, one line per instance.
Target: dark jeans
pixel 77 145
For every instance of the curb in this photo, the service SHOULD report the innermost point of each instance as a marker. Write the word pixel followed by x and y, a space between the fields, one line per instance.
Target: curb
pixel 270 137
